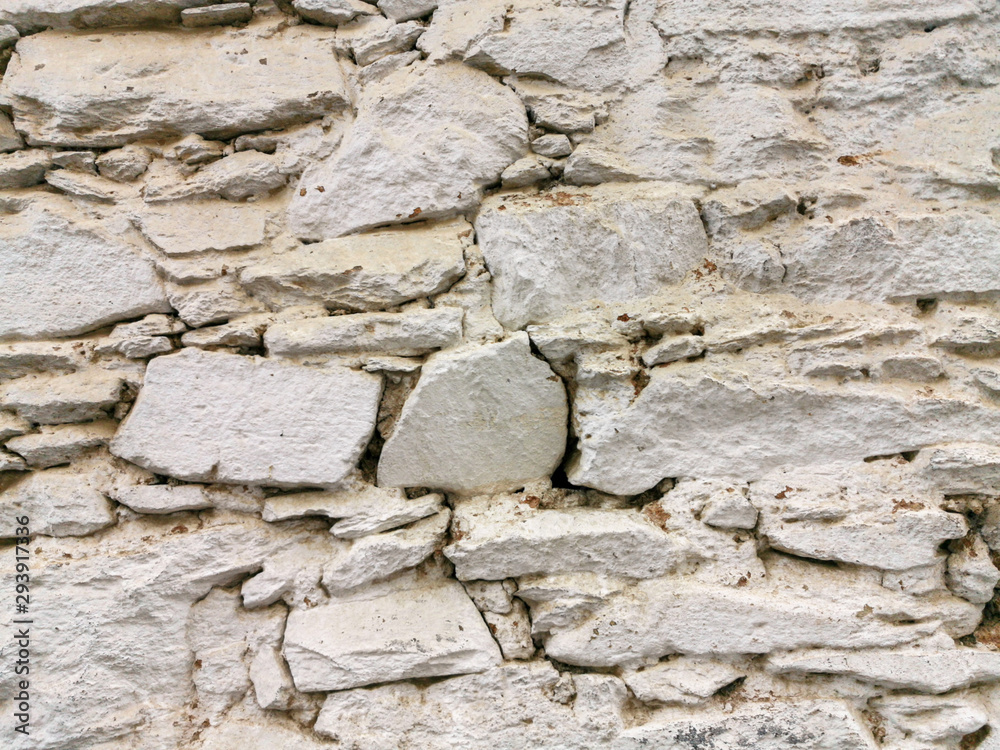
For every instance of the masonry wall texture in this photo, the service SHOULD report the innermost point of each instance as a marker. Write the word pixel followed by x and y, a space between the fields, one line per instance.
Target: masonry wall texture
pixel 502 374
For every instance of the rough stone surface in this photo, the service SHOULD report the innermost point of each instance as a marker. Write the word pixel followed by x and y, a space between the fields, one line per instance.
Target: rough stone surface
pixel 515 419
pixel 425 142
pixel 428 630
pixel 317 421
pixel 87 279
pixel 562 247
pixel 156 84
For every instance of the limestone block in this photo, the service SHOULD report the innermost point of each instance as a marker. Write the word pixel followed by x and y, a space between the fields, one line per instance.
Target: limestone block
pixel 58 399
pixel 429 630
pixel 164 498
pixel 170 83
pixel 405 334
pixel 63 275
pixel 481 419
pixel 332 12
pixel 185 227
pixel 550 251
pixel 685 680
pixel 425 142
pixel 364 272
pixel 297 425
pixel 224 14
pixel 51 446
pixel 59 502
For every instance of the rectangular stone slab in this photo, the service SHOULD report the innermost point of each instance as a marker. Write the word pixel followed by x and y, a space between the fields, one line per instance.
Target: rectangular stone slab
pixel 158 84
pixel 210 416
pixel 430 631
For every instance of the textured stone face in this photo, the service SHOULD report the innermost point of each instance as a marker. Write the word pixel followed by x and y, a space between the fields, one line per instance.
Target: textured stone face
pixel 500 374
pixel 425 142
pixel 158 84
pixel 62 276
pixel 487 419
pixel 296 425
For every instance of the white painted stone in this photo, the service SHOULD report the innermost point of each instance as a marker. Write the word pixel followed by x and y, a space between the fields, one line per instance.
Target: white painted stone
pixel 858 518
pixel 430 630
pixel 59 502
pixel 123 164
pixel 512 631
pixel 364 272
pixel 406 10
pixel 798 605
pixel 63 275
pixel 51 446
pixel 332 12
pixel 10 140
pixel 272 682
pixel 224 14
pixel 360 511
pixel 971 572
pixel 398 161
pixel 782 420
pixel 297 425
pixel 378 556
pixel 410 333
pixel 565 246
pixel 186 227
pixel 499 537
pixel 58 399
pixel 164 498
pixel 24 168
pixel 686 680
pixel 481 419
pixel 906 668
pixel 169 83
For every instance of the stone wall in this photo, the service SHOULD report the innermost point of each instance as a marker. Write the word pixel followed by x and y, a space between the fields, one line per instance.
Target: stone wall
pixel 500 374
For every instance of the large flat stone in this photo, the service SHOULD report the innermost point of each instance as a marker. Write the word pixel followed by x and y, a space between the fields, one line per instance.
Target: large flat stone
pixel 425 142
pixel 481 419
pixel 209 416
pixel 34 15
pixel 364 272
pixel 59 502
pixel 565 246
pixel 63 274
pixel 694 420
pixel 159 84
pixel 398 633
pixel 502 537
pixel 186 227
pixel 798 605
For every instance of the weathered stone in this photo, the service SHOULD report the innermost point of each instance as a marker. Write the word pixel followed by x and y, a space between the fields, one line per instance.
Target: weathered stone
pixel 27 357
pixel 51 446
pixel 378 556
pixel 396 38
pixel 397 162
pixel 971 572
pixel 164 498
pixel 10 462
pixel 239 176
pixel 12 425
pixel 183 227
pixel 685 680
pixel 193 150
pixel 216 301
pixel 62 275
pixel 932 719
pixel 566 246
pixel 491 596
pixel 225 14
pixel 123 164
pixel 673 348
pixel 57 399
pixel 963 468
pixel 504 537
pixel 481 419
pixel 77 161
pixel 512 631
pixel 59 502
pixel 798 605
pixel 297 426
pixel 782 421
pixel 920 669
pixel 89 187
pixel 24 168
pixel 424 630
pixel 35 15
pixel 729 509
pixel 9 138
pixel 406 10
pixel 166 83
pixel 367 272
pixel 332 12
pixel 527 171
pixel 676 17
pixel 272 682
pixel 861 519
pixel 554 145
pixel 410 333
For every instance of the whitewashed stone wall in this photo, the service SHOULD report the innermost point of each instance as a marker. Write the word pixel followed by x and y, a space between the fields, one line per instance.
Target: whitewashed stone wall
pixel 501 374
